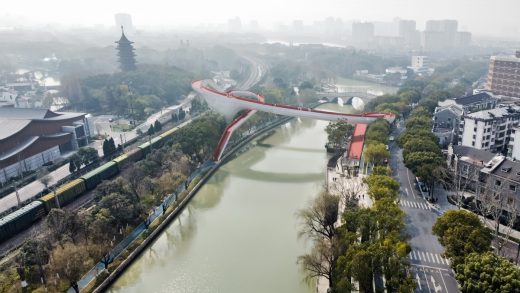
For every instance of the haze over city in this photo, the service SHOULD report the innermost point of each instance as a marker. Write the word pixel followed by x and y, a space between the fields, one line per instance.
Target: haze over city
pixel 260 146
pixel 500 16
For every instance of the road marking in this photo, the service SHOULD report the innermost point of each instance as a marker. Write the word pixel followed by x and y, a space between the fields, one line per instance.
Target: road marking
pixel 428 256
pixel 426 279
pixel 418 281
pixel 410 183
pixel 430 267
pixel 406 191
pixel 437 258
pixel 442 278
pixel 437 289
pixel 422 256
pixel 415 257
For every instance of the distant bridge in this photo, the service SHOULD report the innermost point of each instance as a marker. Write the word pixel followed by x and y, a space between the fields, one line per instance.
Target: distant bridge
pixel 346 96
pixel 230 103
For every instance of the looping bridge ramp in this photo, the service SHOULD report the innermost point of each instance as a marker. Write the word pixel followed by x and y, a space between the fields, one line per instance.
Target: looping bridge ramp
pixel 232 102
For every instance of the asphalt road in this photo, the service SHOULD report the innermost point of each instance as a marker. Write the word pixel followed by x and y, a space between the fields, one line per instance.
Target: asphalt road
pixel 431 271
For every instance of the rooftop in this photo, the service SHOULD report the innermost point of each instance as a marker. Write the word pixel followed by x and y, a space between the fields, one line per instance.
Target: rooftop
pixel 508 169
pixel 507 58
pixel 495 113
pixel 13 120
pixel 467 100
pixel 472 155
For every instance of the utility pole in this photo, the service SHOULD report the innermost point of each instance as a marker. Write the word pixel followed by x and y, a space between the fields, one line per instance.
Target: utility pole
pixel 56 198
pixel 17 194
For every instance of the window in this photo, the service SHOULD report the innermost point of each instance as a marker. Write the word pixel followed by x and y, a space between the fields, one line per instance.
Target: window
pixel 512 187
pixel 498 182
pixel 472 143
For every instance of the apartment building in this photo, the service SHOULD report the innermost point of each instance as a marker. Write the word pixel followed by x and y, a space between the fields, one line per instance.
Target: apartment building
pixel 504 75
pixel 489 129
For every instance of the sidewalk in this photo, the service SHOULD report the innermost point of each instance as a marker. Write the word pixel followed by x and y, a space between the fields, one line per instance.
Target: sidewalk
pixel 338 182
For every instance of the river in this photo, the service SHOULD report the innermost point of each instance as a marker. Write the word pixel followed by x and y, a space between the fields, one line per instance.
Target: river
pixel 239 233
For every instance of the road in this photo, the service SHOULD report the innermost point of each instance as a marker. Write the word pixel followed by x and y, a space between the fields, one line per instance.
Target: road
pixel 431 271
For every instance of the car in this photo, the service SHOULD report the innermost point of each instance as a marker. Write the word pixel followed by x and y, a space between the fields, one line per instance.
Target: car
pixel 391 138
pixel 111 120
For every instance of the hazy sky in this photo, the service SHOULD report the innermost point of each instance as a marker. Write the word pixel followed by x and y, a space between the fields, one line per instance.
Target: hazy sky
pixel 478 16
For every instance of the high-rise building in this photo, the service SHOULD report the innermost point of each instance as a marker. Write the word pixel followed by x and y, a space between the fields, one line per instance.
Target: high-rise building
pixel 504 75
pixel 362 33
pixel 124 20
pixel 235 24
pixel 439 34
pixel 408 32
pixel 125 52
pixel 463 39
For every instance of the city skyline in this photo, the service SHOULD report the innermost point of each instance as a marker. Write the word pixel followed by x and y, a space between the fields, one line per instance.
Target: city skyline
pixel 268 13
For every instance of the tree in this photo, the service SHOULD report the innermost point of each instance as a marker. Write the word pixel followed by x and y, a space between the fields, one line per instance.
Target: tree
pixel 150 130
pixel 35 252
pixel 375 181
pixel 338 132
pixel 377 154
pixel 318 223
pixel 70 262
pixel 349 191
pixel 88 155
pixel 498 203
pixel 74 163
pixel 487 272
pixel 157 126
pixel 320 262
pixel 461 233
pixel 416 159
pixel 109 147
pixel 182 114
pixel 44 177
pixel 318 220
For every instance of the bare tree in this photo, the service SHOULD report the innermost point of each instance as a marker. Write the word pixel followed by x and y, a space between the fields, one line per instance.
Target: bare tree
pixel 459 181
pixel 320 262
pixel 44 177
pixel 349 191
pixel 318 220
pixel 498 204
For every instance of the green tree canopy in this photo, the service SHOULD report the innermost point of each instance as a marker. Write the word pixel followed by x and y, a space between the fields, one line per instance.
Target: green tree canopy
pixel 377 154
pixel 487 272
pixel 461 233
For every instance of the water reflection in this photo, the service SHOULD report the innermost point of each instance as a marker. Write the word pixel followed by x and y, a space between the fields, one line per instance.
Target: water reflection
pixel 239 233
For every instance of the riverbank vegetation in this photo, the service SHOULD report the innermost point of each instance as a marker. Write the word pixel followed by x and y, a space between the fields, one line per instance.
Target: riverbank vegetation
pixel 366 244
pixel 80 239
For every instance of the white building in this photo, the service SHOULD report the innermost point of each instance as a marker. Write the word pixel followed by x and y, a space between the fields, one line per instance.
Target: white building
pixel 421 64
pixel 513 151
pixel 489 129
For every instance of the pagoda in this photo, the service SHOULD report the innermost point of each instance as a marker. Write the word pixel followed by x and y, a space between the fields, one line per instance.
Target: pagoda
pixel 125 51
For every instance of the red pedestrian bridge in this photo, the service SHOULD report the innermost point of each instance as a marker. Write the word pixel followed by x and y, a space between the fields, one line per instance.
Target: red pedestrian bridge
pixel 231 102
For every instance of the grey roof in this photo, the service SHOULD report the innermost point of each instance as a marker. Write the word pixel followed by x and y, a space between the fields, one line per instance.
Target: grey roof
pixel 452 108
pixel 25 113
pixel 495 113
pixel 13 120
pixel 473 154
pixel 9 127
pixel 467 100
pixel 508 58
pixel 508 169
